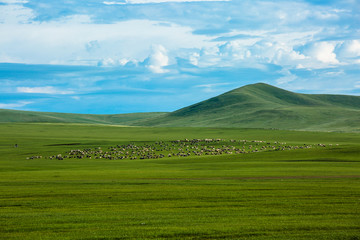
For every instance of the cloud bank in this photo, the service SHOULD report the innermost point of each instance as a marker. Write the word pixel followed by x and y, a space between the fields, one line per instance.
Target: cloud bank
pixel 171 50
pixel 43 90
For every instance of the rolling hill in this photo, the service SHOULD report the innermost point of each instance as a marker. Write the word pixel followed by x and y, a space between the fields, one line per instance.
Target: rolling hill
pixel 50 117
pixel 253 106
pixel 264 106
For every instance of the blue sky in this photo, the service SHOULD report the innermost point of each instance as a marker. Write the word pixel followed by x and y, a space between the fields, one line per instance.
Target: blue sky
pixel 121 56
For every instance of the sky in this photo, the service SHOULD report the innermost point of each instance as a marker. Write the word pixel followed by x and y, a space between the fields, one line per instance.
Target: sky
pixel 124 56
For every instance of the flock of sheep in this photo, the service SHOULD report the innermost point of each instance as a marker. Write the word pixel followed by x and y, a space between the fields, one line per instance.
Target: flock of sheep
pixel 178 148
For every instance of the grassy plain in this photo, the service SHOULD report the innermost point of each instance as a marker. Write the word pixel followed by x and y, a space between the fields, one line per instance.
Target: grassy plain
pixel 297 194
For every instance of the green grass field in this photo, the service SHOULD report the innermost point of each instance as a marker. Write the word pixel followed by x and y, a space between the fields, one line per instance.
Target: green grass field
pixel 296 194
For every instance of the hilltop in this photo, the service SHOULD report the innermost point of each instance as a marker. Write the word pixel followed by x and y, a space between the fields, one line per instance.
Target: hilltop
pixel 264 106
pixel 253 106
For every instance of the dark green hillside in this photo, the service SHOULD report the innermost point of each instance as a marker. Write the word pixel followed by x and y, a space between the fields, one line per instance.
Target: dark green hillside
pixel 264 106
pixel 44 117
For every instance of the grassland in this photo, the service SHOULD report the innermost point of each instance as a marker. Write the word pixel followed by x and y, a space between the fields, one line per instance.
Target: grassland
pixel 296 194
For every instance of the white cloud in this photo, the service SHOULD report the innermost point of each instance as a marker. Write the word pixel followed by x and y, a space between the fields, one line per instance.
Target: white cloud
pixel 281 53
pixel 92 46
pixel 114 3
pixel 74 19
pixel 210 88
pixel 107 62
pixel 157 59
pixel 15 13
pixel 155 62
pixel 14 1
pixel 234 49
pixel 335 73
pixel 18 104
pixel 287 78
pixel 279 28
pixel 43 90
pixel 323 52
pixel 349 49
pixel 327 15
pixel 156 1
pixel 111 62
pixel 206 57
pixel 76 42
pixel 233 53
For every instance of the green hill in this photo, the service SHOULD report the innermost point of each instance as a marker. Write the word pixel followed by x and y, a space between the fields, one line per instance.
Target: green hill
pixel 253 106
pixel 264 106
pixel 48 117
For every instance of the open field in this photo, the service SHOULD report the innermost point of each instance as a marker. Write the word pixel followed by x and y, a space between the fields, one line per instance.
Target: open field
pixel 311 193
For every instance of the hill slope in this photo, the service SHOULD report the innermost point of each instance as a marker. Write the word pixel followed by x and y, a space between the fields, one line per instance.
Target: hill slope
pixel 44 117
pixel 264 106
pixel 252 106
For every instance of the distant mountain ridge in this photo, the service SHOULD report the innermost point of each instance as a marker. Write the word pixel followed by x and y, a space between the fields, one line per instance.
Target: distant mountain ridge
pixel 252 106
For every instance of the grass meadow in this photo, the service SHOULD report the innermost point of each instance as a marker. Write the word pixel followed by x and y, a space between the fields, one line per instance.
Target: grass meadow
pixel 297 194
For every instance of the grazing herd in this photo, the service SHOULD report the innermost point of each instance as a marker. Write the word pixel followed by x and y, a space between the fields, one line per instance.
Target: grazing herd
pixel 177 148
